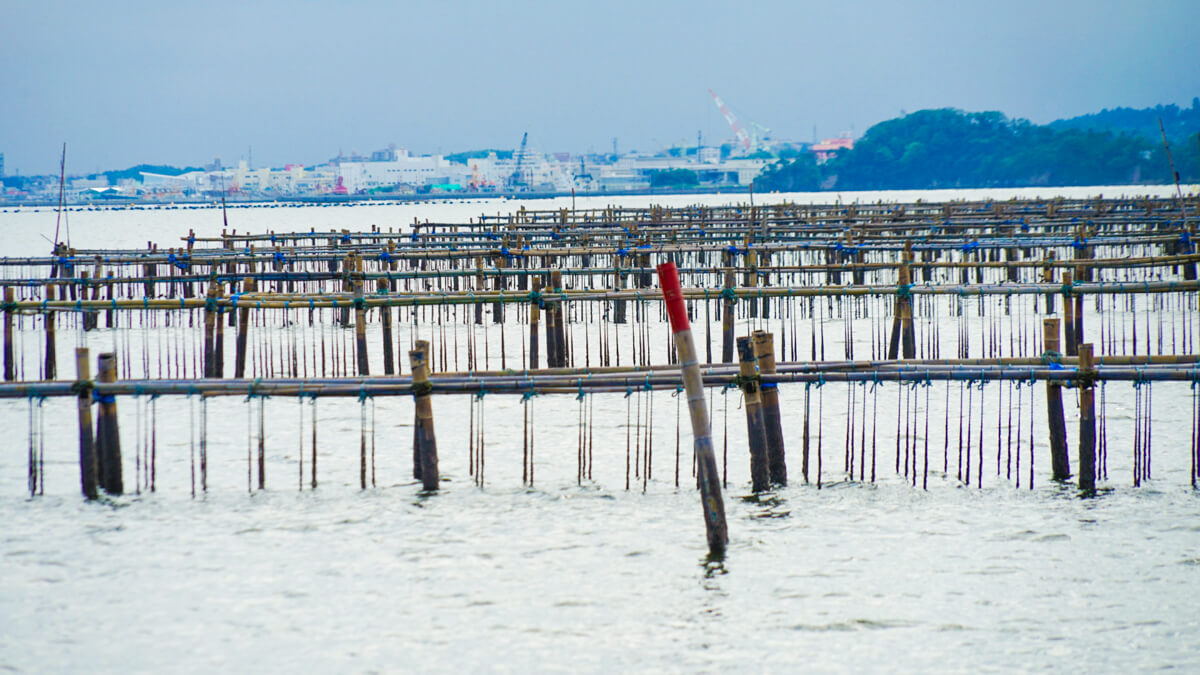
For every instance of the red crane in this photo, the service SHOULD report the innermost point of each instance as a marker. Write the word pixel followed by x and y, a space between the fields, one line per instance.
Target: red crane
pixel 738 131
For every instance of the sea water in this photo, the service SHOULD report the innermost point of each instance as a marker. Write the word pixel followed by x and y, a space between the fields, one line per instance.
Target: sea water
pixel 570 576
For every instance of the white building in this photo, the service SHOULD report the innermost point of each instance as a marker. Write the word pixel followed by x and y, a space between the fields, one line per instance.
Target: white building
pixel 631 171
pixel 406 169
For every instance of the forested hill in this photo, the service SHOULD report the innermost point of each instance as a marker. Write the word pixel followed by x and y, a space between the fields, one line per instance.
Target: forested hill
pixel 1180 123
pixel 949 148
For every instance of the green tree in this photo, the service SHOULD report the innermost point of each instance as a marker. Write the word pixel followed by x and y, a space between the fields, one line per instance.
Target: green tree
pixel 799 174
pixel 674 178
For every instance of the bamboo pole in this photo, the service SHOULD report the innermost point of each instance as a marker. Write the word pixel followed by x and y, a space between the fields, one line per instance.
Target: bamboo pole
pixel 560 328
pixel 51 365
pixel 535 312
pixel 1087 419
pixel 764 354
pixel 108 437
pixel 385 318
pixel 1072 345
pixel 425 439
pixel 210 318
pixel 760 474
pixel 727 317
pixel 88 475
pixel 10 371
pixel 1060 464
pixel 706 461
pixel 360 319
pixel 243 328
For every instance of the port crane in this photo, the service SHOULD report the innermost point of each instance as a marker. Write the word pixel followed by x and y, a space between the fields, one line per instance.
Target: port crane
pixel 514 180
pixel 749 141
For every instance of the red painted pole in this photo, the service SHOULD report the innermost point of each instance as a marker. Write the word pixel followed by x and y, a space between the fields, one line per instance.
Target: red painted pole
pixel 706 461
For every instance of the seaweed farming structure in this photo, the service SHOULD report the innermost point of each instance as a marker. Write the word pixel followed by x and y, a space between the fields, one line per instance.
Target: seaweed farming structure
pixel 1026 298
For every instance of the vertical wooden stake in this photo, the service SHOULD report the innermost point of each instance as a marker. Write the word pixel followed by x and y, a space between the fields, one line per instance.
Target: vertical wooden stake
pixel 108 437
pixel 88 477
pixel 760 475
pixel 243 327
pixel 479 288
pixel 560 329
pixel 706 462
pixel 727 317
pixel 10 370
pixel 51 344
pixel 360 319
pixel 618 285
pixel 1059 461
pixel 1072 345
pixel 110 317
pixel 1081 273
pixel 1087 419
pixel 750 278
pixel 219 343
pixel 908 335
pixel 1048 278
pixel 498 284
pixel 535 312
pixel 210 318
pixel 425 439
pixel 551 335
pixel 385 317
pixel 764 354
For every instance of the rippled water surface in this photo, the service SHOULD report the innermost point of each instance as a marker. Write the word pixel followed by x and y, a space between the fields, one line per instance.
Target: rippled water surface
pixel 591 577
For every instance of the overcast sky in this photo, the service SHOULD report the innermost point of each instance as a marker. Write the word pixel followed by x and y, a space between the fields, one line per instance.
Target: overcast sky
pixel 175 82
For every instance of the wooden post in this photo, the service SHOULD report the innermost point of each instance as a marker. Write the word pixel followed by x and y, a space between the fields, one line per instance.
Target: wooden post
pixel 1060 464
pixel 908 336
pixel 347 285
pixel 88 477
pixel 1048 278
pixel 88 319
pixel 498 284
pixel 706 461
pixel 1071 346
pixel 1087 419
pixel 108 437
pixel 10 368
pixel 360 319
pixel 644 277
pixel 551 335
pixel 750 278
pixel 1078 297
pixel 210 318
pixel 479 287
pixel 148 283
pixel 902 320
pixel 727 317
pixel 535 312
pixel 560 328
pixel 760 475
pixel 51 369
pixel 426 442
pixel 110 318
pixel 385 317
pixel 219 341
pixel 243 325
pixel 618 285
pixel 764 279
pixel 764 354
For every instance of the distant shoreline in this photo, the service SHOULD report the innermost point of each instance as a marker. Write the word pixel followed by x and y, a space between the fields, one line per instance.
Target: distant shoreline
pixel 373 198
pixel 1190 191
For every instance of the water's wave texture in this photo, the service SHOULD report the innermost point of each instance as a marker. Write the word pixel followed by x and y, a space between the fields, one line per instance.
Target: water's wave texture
pixel 560 576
